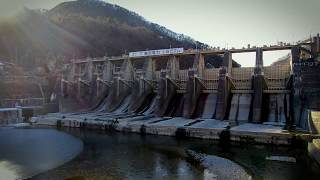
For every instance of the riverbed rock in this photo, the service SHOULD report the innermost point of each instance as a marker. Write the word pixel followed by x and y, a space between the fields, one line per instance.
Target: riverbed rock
pixel 220 168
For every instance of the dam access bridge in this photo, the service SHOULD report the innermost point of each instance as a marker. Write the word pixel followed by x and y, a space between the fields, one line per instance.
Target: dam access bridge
pixel 180 83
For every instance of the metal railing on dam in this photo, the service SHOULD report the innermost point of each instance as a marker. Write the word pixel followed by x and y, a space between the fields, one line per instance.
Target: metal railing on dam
pixel 240 94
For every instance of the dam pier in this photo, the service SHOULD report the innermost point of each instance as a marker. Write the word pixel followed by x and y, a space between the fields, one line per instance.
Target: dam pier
pixel 195 93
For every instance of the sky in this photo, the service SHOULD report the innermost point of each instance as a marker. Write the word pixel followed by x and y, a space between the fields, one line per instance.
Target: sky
pixel 227 23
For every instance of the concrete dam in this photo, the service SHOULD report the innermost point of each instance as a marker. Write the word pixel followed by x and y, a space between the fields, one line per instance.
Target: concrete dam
pixel 179 88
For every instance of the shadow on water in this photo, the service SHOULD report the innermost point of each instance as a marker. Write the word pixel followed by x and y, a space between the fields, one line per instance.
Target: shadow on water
pixel 27 152
pixel 224 140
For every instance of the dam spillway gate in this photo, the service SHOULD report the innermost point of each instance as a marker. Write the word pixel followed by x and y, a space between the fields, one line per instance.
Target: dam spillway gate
pixel 185 85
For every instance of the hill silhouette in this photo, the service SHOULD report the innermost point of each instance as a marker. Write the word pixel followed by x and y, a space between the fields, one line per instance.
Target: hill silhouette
pixel 79 29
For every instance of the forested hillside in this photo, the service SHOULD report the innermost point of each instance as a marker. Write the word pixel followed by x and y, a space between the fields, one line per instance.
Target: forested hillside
pixel 80 29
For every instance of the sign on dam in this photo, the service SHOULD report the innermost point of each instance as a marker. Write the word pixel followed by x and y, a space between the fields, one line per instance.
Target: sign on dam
pixel 158 52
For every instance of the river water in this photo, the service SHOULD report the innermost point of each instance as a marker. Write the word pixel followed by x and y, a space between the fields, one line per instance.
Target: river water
pixel 75 155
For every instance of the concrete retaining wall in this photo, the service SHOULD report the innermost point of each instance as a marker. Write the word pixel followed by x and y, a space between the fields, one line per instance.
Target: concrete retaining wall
pixel 209 106
pixel 244 108
pixel 276 108
pixel 179 127
pixel 234 107
pixel 240 108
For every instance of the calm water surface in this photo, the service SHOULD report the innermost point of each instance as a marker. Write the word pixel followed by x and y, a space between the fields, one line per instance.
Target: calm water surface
pixel 133 156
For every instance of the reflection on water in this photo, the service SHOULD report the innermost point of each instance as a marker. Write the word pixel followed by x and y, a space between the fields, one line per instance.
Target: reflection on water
pixel 27 152
pixel 108 155
pixel 126 156
pixel 134 156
